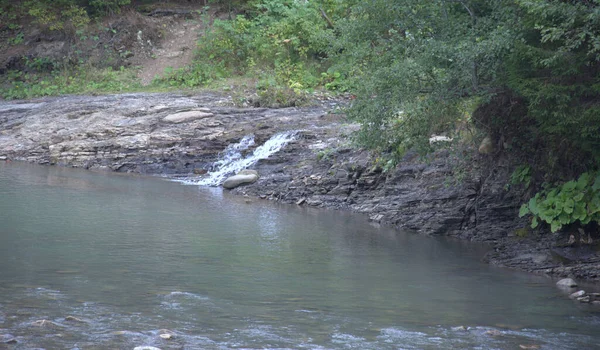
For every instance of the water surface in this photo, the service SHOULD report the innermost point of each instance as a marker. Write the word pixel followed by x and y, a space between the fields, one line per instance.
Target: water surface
pixel 131 257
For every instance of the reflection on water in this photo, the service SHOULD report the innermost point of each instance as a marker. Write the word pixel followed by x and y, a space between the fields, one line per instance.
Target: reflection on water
pixel 96 261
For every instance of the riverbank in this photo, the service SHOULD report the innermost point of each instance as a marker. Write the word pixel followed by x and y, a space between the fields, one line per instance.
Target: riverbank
pixel 180 135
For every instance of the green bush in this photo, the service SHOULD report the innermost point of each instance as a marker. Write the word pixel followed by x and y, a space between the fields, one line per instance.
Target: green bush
pixel 285 39
pixel 573 202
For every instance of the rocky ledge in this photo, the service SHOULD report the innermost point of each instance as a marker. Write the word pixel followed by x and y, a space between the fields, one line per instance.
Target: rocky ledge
pixel 179 135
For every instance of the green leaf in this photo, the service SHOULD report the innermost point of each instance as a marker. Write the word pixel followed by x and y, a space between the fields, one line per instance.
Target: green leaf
pixel 524 210
pixel 534 222
pixel 579 212
pixel 555 226
pixel 583 181
pixel 569 186
pixel 533 207
pixel 596 185
pixel 568 206
pixel 564 218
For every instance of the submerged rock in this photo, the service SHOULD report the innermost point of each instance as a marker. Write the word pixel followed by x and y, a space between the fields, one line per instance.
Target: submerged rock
pixel 237 180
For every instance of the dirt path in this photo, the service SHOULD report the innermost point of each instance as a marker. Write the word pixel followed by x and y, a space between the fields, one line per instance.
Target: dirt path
pixel 177 48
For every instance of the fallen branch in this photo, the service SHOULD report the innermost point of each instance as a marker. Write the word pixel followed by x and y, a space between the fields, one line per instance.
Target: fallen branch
pixel 329 21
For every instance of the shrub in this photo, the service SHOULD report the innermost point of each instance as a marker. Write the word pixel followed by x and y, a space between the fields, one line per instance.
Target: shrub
pixel 572 202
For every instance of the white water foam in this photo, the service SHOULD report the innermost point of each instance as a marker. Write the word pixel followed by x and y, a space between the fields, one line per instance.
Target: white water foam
pixel 232 160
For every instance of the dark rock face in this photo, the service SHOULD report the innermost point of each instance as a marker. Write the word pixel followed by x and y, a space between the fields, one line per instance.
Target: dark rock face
pixel 183 135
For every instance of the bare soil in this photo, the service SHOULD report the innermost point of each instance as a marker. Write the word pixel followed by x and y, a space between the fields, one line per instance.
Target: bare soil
pixel 152 39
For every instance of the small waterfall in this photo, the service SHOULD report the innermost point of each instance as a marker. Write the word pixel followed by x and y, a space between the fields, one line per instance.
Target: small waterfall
pixel 232 160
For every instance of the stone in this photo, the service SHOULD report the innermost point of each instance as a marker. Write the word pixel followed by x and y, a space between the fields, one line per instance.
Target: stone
pixel 146 347
pixel 493 333
pixel 8 339
pixel 531 346
pixel 198 171
pixel 577 294
pixel 166 336
pixel 460 329
pixel 584 299
pixel 486 146
pixel 566 283
pixel 300 201
pixel 237 180
pixel 74 319
pixel 184 117
pixel 46 323
pixel 248 172
pixel 376 217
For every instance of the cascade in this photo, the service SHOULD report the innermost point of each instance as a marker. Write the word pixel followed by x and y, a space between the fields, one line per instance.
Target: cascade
pixel 231 160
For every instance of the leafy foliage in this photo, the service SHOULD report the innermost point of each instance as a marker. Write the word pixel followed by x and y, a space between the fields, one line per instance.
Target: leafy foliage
pixel 413 64
pixel 573 202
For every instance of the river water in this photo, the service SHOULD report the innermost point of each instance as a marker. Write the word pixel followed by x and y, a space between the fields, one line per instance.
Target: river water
pixel 112 261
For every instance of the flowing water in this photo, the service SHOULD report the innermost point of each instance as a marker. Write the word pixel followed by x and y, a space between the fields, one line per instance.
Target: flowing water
pixel 106 261
pixel 231 159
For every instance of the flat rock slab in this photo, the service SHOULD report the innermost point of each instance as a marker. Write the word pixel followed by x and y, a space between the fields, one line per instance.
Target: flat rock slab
pixel 184 117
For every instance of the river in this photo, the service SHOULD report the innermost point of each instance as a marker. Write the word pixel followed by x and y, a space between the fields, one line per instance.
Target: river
pixel 112 261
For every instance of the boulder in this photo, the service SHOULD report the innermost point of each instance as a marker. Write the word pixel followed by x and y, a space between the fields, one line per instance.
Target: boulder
pixel 237 180
pixel 566 283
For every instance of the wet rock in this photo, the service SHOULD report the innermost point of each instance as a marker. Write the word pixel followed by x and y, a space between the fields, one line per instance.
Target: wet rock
pixel 584 299
pixel 530 346
pixel 460 329
pixel 146 347
pixel 376 217
pixel 566 283
pixel 577 294
pixel 166 336
pixel 200 171
pixel 237 180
